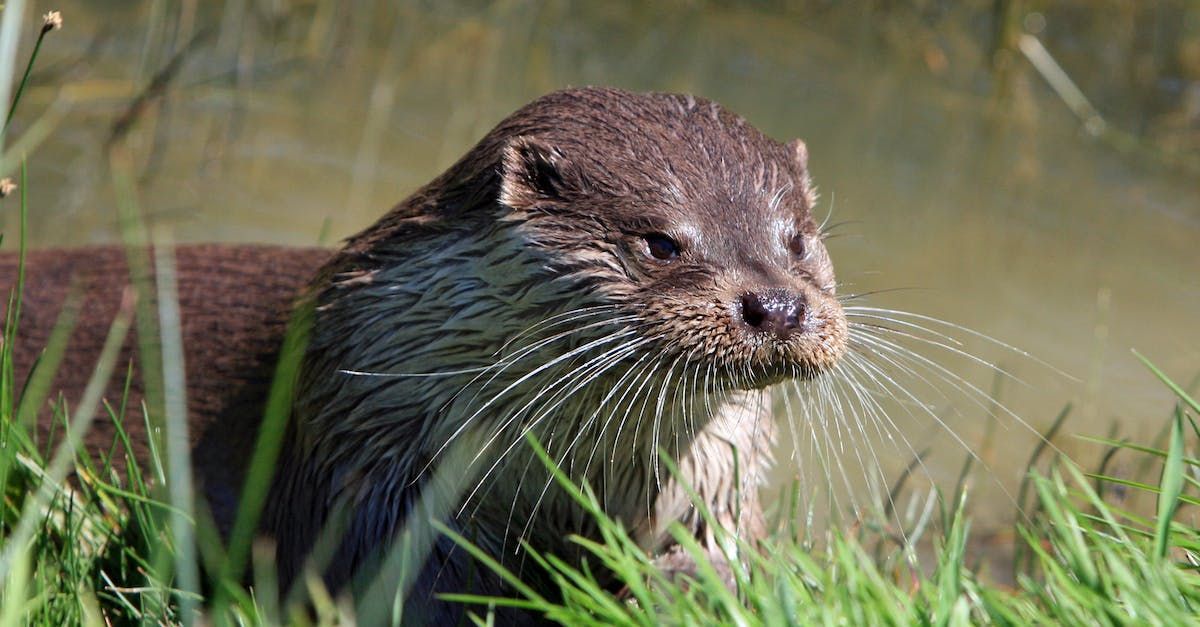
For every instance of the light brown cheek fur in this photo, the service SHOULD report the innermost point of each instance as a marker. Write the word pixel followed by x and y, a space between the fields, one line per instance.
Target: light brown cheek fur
pixel 830 335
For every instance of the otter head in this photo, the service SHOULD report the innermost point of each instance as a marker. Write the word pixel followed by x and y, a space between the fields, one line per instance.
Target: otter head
pixel 688 219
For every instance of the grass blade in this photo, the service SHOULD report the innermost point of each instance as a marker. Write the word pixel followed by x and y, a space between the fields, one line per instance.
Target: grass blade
pixel 179 466
pixel 1175 387
pixel 1170 487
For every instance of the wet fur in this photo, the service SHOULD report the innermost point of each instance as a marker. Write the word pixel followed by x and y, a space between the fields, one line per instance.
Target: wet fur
pixel 513 295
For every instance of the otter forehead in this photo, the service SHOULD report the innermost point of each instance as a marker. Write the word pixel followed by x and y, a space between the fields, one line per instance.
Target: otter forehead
pixel 666 147
pixel 678 164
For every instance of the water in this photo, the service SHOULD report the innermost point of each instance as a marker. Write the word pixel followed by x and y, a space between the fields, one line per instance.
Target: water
pixel 299 125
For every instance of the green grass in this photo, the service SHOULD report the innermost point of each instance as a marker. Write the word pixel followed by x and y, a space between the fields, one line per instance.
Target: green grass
pixel 96 554
pixel 98 549
pixel 1092 563
pixel 84 543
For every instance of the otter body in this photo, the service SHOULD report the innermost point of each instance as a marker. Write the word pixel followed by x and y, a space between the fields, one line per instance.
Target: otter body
pixel 612 273
pixel 235 303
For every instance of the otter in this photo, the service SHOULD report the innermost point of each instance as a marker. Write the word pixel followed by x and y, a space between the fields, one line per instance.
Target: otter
pixel 613 274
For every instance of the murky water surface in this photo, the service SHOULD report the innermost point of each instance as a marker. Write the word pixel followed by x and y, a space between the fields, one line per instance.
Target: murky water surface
pixel 299 123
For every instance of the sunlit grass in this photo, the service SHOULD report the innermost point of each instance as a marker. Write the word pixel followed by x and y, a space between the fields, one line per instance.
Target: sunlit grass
pixel 1091 563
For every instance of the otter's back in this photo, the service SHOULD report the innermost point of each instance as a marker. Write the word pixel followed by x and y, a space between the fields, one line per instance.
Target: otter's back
pixel 234 302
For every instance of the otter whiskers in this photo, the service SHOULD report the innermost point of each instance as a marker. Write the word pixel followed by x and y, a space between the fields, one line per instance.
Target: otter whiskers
pixel 536 348
pixel 559 391
pixel 883 363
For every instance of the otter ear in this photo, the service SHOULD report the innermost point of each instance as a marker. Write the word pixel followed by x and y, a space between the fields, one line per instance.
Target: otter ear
pixel 532 171
pixel 799 152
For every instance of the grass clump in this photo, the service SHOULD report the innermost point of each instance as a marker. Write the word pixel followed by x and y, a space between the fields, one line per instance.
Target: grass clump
pixel 1091 562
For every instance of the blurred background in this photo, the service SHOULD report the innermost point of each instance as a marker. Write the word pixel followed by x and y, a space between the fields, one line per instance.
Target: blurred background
pixel 1028 170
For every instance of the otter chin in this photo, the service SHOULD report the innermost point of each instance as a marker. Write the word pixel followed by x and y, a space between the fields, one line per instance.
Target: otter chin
pixel 612 273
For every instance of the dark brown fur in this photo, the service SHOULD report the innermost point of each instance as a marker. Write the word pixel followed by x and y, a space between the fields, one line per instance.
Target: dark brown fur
pixel 231 336
pixel 551 212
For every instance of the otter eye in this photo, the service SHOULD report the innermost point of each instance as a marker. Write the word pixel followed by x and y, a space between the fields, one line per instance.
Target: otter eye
pixel 796 245
pixel 661 247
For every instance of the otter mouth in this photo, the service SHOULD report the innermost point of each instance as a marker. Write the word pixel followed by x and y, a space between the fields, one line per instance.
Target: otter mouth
pixel 772 374
pixel 802 356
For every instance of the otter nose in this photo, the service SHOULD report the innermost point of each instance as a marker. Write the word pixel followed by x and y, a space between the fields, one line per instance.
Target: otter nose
pixel 774 311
